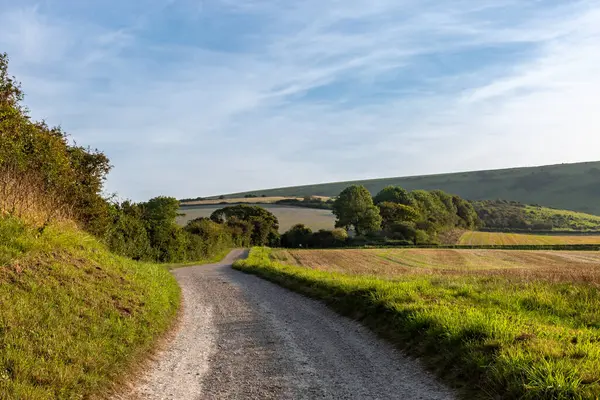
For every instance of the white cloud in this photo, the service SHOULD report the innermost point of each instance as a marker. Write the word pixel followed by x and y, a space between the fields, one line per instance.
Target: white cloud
pixel 187 119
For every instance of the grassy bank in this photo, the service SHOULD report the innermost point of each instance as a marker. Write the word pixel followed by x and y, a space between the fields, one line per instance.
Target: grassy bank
pixel 74 318
pixel 512 336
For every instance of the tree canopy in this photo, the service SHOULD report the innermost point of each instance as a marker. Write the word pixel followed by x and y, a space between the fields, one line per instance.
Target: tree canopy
pixel 394 194
pixel 354 208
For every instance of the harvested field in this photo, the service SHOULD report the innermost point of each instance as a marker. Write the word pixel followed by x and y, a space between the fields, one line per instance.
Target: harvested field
pixel 500 238
pixel 554 266
pixel 288 216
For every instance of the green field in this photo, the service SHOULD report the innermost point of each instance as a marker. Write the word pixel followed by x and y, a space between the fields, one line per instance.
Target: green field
pixel 525 328
pixel 288 216
pixel 501 238
pixel 75 319
pixel 565 186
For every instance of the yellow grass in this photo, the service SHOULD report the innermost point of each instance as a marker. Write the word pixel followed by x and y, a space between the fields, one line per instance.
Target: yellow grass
pixel 555 266
pixel 499 238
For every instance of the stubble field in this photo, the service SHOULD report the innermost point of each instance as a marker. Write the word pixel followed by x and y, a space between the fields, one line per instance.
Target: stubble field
pixel 501 238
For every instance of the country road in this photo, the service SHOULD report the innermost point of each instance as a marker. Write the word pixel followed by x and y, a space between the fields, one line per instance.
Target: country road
pixel 241 337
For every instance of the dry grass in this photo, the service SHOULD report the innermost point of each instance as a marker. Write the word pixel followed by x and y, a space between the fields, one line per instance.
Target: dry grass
pixel 250 200
pixel 500 238
pixel 23 196
pixel 551 266
pixel 288 216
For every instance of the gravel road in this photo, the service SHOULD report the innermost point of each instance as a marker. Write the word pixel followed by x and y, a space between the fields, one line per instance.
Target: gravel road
pixel 241 337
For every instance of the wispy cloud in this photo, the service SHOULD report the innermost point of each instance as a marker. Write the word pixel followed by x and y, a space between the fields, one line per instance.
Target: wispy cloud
pixel 202 97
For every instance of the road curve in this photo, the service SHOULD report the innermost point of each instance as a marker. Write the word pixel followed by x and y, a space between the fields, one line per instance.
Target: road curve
pixel 241 337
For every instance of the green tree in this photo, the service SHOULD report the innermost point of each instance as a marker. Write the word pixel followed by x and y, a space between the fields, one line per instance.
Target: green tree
pixel 393 213
pixel 299 235
pixel 467 214
pixel 354 208
pixel 264 224
pixel 127 235
pixel 394 194
pixel 165 235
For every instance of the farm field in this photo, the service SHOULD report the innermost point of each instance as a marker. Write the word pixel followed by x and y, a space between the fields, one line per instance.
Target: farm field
pixel 288 216
pixel 501 238
pixel 505 324
pixel 567 266
pixel 246 200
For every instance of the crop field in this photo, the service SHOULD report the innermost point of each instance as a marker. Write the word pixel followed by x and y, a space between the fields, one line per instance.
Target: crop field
pixel 564 266
pixel 500 238
pixel 492 323
pixel 288 216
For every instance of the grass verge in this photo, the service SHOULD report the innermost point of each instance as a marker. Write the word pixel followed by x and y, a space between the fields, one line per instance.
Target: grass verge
pixel 74 318
pixel 486 335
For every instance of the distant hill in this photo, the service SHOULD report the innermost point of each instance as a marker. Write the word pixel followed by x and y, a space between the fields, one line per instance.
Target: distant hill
pixel 564 186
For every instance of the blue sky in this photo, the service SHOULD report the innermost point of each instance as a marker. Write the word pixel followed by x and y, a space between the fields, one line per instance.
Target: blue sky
pixel 192 98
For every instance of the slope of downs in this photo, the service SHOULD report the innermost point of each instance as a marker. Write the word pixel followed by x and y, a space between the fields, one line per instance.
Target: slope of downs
pixel 563 186
pixel 74 317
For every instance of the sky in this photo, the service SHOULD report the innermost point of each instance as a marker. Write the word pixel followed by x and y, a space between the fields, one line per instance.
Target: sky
pixel 202 97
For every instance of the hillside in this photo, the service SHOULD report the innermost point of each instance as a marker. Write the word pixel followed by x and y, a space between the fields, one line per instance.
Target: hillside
pixel 564 186
pixel 511 215
pixel 74 318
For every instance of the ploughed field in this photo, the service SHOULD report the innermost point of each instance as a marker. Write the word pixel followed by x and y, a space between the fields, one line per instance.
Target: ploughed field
pixel 288 216
pixel 504 323
pixel 501 238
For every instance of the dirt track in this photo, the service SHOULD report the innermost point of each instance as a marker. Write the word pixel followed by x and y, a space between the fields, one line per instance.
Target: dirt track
pixel 241 337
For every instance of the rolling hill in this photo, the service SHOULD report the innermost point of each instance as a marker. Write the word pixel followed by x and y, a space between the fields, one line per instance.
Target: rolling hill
pixel 565 186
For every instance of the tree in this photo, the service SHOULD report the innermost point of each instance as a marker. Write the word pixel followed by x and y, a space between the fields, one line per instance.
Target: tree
pixel 298 236
pixel 393 213
pixel 264 224
pixel 165 235
pixel 394 194
pixel 354 208
pixel 468 217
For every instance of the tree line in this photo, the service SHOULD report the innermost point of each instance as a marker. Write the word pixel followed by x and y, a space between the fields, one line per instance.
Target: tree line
pixel 417 217
pixel 45 177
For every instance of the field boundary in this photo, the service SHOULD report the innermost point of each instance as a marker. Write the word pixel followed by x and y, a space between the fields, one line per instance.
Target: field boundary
pixel 548 247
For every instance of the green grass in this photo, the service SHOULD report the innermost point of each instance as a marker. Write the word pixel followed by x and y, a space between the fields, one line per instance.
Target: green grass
pixel 489 335
pixel 74 318
pixel 563 186
pixel 288 216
